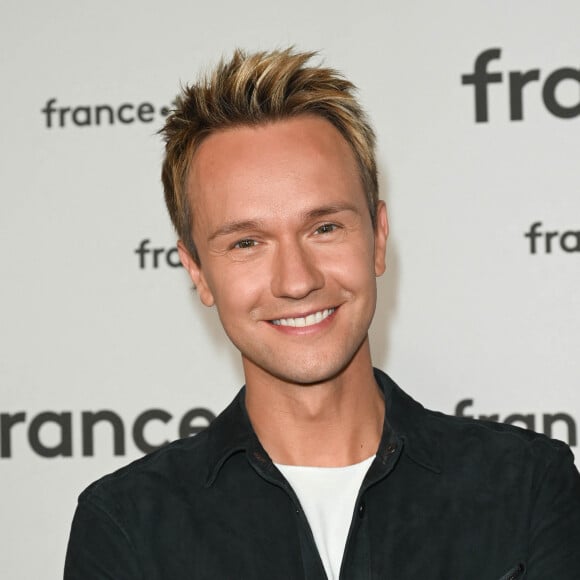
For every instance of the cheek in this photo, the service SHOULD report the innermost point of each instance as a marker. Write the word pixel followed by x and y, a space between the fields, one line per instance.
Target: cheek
pixel 353 264
pixel 237 289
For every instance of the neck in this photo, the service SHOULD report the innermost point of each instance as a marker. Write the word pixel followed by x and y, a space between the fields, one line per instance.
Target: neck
pixel 328 424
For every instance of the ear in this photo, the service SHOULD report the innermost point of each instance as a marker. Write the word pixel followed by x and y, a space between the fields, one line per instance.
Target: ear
pixel 381 235
pixel 196 274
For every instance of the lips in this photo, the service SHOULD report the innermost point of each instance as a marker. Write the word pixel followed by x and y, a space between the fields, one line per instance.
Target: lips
pixel 303 321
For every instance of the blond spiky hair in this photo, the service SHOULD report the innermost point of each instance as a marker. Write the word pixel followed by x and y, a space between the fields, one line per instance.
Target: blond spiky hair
pixel 251 89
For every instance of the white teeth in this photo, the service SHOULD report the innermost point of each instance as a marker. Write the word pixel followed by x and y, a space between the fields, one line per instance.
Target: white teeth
pixel 306 320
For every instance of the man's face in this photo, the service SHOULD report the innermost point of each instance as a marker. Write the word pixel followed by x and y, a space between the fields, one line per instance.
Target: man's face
pixel 287 251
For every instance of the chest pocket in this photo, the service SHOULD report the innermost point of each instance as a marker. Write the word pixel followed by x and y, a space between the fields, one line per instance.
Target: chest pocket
pixel 516 573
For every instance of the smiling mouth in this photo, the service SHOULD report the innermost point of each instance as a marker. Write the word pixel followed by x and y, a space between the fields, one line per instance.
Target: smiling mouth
pixel 303 321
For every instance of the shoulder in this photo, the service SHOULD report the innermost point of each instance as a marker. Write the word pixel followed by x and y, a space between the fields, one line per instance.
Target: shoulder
pixel 175 474
pixel 482 437
pixel 453 444
pixel 181 463
pixel 496 433
pixel 497 454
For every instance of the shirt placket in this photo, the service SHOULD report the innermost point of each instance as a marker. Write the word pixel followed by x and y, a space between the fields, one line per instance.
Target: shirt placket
pixel 356 561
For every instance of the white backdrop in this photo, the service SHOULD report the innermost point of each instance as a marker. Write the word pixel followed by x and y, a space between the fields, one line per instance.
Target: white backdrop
pixel 466 310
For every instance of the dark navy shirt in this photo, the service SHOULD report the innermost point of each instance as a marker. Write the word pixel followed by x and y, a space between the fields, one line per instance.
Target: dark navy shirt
pixel 446 498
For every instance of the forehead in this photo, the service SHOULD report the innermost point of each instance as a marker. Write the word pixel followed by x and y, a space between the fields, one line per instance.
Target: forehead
pixel 241 156
pixel 272 174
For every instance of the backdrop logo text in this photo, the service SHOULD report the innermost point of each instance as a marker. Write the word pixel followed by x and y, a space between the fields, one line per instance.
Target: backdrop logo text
pixel 521 85
pixel 563 423
pixel 542 240
pixel 59 427
pixel 101 115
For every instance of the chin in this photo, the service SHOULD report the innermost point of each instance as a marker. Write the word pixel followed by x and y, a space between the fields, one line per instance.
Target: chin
pixel 309 372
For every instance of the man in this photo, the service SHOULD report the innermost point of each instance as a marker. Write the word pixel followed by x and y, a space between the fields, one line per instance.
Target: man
pixel 321 467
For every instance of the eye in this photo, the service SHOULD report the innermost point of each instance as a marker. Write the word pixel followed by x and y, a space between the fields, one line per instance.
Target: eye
pixel 326 229
pixel 245 244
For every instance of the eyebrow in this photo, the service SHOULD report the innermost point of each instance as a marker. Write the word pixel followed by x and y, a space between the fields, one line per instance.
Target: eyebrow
pixel 235 227
pixel 330 209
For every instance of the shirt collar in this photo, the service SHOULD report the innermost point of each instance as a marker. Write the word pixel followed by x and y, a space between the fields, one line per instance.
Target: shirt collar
pixel 231 432
pixel 406 424
pixel 411 423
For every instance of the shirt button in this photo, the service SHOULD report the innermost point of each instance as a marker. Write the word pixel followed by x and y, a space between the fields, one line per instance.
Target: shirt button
pixel 391 448
pixel 361 509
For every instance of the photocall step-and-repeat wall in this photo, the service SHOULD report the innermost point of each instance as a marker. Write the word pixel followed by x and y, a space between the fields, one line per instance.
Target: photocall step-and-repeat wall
pixel 106 353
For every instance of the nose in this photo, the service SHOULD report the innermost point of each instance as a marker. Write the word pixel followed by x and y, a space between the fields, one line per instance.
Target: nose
pixel 295 272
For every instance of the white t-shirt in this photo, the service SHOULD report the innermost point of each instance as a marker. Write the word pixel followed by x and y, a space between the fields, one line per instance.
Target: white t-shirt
pixel 328 496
